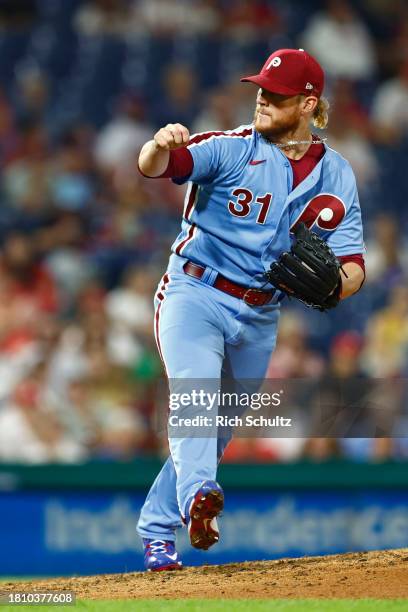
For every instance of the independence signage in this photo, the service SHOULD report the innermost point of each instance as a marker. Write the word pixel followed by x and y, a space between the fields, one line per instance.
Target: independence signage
pixel 79 533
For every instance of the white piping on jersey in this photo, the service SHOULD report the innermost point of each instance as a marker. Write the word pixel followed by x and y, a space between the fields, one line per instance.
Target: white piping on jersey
pixel 190 205
pixel 234 132
pixel 187 240
pixel 232 135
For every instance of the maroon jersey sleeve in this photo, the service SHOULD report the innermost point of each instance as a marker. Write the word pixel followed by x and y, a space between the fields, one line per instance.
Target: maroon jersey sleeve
pixel 180 165
pixel 357 258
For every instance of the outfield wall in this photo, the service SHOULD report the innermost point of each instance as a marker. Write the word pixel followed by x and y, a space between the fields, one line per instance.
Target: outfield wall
pixel 81 519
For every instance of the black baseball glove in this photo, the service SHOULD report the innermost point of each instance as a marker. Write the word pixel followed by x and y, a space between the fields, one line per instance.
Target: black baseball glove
pixel 310 272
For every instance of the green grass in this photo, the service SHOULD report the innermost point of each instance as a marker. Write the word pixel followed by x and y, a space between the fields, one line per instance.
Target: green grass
pixel 239 605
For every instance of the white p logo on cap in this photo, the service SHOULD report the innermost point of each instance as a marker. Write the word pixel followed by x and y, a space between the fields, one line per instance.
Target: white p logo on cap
pixel 276 61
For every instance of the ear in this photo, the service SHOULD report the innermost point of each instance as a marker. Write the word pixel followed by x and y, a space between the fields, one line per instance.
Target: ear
pixel 309 104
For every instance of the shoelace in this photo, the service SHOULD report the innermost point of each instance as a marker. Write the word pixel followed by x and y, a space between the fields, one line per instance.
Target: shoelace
pixel 158 546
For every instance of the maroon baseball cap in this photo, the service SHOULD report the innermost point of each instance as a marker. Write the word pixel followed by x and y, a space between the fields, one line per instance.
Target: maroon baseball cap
pixel 290 72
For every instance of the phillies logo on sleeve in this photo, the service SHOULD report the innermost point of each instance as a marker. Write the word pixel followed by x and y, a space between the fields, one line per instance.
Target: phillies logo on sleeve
pixel 325 210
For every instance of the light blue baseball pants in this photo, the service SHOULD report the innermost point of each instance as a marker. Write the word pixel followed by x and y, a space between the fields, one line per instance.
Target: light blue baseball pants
pixel 202 333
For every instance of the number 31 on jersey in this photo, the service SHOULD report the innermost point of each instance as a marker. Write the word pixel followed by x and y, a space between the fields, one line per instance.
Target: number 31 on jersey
pixel 244 201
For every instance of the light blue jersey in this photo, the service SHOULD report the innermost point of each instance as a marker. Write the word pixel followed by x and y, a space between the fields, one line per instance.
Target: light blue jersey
pixel 240 207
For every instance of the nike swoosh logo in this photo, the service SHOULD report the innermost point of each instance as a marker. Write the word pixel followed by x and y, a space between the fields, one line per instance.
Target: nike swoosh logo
pixel 255 162
pixel 172 557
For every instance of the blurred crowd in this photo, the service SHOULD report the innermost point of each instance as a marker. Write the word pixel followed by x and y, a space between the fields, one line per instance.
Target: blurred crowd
pixel 84 238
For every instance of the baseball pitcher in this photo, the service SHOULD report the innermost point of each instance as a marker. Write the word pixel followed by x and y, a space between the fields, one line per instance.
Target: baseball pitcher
pixel 270 211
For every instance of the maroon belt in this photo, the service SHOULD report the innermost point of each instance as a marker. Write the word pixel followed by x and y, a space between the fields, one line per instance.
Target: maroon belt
pixel 253 297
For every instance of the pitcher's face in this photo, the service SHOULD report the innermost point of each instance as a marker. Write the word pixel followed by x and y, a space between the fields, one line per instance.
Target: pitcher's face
pixel 276 115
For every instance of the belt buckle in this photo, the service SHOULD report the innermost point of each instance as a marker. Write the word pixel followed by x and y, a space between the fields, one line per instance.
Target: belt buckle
pixel 249 292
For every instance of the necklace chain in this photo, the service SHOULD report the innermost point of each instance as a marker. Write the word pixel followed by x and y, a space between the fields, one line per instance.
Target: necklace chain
pixel 291 143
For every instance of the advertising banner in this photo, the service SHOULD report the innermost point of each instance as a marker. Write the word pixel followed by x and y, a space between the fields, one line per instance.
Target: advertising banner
pixel 71 533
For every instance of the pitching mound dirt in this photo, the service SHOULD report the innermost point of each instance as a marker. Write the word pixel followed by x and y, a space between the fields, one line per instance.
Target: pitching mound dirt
pixel 381 574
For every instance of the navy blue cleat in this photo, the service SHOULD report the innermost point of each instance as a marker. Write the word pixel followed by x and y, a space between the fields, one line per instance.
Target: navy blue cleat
pixel 201 515
pixel 161 555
